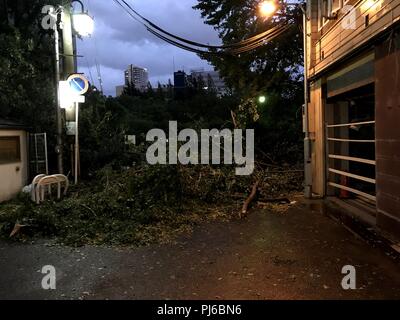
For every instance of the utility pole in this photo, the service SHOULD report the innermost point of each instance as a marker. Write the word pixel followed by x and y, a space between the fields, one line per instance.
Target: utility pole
pixel 76 171
pixel 99 76
pixel 59 146
pixel 65 69
pixel 69 66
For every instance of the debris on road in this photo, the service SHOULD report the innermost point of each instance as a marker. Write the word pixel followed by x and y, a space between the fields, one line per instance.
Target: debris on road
pixel 249 200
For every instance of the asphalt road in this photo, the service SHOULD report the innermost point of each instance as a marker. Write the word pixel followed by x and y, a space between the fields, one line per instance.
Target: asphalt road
pixel 294 254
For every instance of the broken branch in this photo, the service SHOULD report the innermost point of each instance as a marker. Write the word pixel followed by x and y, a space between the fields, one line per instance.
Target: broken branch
pixel 249 200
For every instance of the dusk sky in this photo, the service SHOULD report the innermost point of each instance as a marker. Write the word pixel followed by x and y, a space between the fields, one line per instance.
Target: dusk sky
pixel 119 40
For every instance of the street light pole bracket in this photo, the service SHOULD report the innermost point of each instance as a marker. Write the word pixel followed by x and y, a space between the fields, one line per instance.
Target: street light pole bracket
pixel 81 3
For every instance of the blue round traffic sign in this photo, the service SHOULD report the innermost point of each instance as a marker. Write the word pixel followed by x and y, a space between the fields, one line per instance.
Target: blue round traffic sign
pixel 78 83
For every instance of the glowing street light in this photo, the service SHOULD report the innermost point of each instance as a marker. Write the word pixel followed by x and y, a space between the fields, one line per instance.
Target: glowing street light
pixel 262 99
pixel 82 22
pixel 267 8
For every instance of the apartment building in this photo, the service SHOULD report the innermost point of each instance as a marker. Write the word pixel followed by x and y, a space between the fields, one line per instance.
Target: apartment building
pixel 353 71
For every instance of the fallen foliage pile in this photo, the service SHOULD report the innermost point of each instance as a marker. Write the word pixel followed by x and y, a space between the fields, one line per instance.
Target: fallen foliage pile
pixel 139 206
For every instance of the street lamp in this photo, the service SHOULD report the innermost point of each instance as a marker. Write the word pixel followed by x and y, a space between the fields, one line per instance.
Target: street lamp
pixel 267 8
pixel 262 99
pixel 83 23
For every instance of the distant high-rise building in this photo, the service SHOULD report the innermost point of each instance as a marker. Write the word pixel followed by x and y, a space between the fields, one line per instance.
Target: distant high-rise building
pixel 180 83
pixel 211 80
pixel 119 90
pixel 180 80
pixel 139 77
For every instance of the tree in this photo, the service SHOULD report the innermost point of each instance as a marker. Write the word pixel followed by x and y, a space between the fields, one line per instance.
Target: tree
pixel 27 82
pixel 149 90
pixel 200 83
pixel 267 67
pixel 273 70
pixel 211 85
pixel 160 91
pixel 131 90
pixel 26 65
pixel 170 89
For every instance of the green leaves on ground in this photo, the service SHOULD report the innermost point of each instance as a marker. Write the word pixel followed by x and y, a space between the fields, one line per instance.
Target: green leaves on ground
pixel 136 206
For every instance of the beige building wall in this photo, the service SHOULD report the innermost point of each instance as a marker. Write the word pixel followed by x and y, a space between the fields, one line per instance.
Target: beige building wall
pixel 14 176
pixel 350 29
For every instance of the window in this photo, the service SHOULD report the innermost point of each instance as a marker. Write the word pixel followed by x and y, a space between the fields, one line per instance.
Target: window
pixel 9 150
pixel 324 9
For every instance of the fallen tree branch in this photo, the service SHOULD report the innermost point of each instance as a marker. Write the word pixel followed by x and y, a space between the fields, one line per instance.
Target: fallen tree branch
pixel 17 228
pixel 249 200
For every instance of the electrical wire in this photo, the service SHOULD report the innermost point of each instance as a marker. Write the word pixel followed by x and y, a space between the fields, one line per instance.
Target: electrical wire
pixel 261 43
pixel 182 46
pixel 90 71
pixel 179 45
pixel 213 52
pixel 197 44
pixel 236 48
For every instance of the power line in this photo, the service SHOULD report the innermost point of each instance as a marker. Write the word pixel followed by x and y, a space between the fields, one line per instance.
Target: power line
pixel 185 44
pixel 170 41
pixel 251 47
pixel 197 44
pixel 90 71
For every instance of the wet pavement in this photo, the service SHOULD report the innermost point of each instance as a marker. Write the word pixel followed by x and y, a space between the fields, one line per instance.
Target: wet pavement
pixel 287 254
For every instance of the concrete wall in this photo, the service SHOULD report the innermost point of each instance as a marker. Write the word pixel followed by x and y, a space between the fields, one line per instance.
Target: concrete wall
pixel 14 176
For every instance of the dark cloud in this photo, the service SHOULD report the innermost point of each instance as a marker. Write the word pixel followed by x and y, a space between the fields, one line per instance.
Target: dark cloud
pixel 119 40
